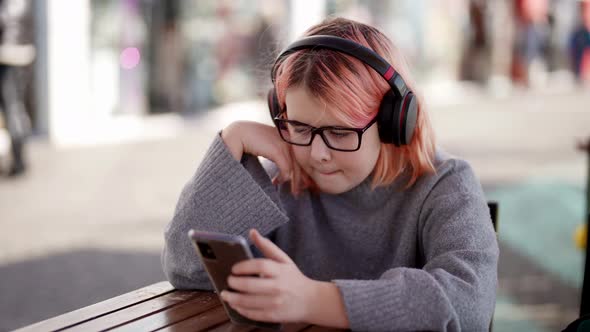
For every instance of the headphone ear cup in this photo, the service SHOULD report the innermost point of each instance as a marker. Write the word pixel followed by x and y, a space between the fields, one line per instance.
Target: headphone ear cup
pixel 273 104
pixel 409 120
pixel 388 126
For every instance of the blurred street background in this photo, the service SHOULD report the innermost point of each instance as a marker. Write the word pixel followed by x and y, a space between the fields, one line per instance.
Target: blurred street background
pixel 109 105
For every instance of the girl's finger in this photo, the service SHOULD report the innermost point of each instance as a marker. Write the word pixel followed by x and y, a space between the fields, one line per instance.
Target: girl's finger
pixel 268 248
pixel 287 175
pixel 284 165
pixel 248 301
pixel 257 266
pixel 259 315
pixel 281 156
pixel 253 285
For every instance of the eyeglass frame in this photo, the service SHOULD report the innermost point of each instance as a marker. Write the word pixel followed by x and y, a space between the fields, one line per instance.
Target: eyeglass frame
pixel 320 130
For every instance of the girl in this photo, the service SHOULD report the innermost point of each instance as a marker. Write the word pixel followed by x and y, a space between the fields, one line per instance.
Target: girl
pixel 361 221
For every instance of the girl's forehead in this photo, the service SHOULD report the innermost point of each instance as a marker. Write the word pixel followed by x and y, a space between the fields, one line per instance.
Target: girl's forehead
pixel 302 106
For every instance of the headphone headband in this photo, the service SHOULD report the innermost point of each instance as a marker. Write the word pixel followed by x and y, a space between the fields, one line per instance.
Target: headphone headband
pixel 362 53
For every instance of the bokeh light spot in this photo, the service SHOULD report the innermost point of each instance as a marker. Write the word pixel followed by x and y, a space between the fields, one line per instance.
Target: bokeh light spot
pixel 130 58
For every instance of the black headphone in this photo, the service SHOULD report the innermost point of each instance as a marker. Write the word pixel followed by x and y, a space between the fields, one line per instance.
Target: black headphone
pixel 399 107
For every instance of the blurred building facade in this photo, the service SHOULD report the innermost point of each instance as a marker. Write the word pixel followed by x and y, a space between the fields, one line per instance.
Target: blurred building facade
pixel 117 60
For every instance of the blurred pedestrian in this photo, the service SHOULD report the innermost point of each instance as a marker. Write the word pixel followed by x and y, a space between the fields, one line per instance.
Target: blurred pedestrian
pixel 14 55
pixel 532 35
pixel 476 59
pixel 580 44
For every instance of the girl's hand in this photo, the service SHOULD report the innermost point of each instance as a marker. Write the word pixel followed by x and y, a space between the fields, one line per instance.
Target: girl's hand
pixel 259 140
pixel 281 294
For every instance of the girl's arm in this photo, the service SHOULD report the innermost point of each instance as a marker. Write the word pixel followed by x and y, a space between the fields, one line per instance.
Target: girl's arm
pixel 256 139
pixel 225 196
pixel 455 290
pixel 327 306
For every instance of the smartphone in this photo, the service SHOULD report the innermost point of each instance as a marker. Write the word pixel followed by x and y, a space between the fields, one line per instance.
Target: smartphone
pixel 218 253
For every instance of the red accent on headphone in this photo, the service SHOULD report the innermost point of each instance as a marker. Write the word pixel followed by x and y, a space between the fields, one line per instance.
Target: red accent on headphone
pixel 389 73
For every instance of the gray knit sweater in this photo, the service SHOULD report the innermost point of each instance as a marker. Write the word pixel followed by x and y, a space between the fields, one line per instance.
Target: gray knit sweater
pixel 424 258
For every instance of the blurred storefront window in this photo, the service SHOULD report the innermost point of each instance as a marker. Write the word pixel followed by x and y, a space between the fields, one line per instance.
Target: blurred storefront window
pixel 181 56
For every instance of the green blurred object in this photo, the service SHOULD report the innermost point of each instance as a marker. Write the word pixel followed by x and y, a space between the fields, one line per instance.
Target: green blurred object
pixel 538 218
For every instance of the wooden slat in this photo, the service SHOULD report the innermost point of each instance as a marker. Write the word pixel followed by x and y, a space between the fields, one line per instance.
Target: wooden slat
pixel 201 322
pixel 198 306
pixel 197 324
pixel 138 311
pixel 101 308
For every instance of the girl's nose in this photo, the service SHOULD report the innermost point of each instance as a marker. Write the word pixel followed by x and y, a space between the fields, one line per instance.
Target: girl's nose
pixel 319 150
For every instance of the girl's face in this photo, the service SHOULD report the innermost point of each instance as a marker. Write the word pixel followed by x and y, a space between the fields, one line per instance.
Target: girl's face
pixel 333 171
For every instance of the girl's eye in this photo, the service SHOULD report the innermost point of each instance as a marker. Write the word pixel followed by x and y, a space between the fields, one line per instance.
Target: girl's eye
pixel 302 130
pixel 339 133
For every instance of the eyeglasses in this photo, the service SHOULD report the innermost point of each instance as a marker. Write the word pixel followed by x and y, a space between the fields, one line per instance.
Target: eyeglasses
pixel 336 138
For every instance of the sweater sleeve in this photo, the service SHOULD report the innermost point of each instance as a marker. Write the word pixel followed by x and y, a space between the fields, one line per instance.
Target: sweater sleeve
pixel 224 195
pixel 456 288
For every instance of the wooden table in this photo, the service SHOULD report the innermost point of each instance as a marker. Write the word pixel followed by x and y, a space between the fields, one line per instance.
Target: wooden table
pixel 155 307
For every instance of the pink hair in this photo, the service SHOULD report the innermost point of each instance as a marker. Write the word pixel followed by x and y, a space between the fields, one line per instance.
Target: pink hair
pixel 355 91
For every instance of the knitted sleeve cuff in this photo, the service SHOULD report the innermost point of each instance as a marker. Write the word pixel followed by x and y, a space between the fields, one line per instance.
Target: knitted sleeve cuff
pixel 225 196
